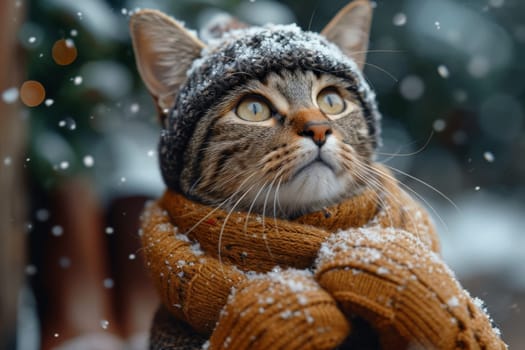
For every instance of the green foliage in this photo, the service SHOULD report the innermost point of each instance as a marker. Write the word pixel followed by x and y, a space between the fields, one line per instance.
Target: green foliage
pixel 101 106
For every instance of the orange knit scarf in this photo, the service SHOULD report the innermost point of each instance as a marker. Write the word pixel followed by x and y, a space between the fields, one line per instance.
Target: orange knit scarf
pixel 247 282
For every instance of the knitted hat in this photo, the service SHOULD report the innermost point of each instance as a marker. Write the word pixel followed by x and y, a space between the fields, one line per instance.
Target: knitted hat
pixel 255 52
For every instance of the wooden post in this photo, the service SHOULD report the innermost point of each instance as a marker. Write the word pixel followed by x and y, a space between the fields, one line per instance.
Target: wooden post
pixel 12 196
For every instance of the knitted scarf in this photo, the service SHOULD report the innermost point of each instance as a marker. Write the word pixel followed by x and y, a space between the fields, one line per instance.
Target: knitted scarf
pixel 241 281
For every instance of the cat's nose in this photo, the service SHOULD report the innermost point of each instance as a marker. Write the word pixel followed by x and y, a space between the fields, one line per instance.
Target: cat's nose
pixel 318 131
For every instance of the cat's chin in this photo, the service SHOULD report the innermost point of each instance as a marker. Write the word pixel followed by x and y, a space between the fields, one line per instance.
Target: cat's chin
pixel 313 188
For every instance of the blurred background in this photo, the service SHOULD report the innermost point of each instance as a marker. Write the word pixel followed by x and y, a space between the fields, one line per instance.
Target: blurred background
pixel 78 138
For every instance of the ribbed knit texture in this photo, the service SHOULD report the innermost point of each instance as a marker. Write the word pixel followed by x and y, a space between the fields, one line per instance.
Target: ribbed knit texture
pixel 388 277
pixel 290 303
pixel 374 256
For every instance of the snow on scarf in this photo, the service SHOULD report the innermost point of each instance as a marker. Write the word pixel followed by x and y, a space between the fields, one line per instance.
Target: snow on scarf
pixel 243 281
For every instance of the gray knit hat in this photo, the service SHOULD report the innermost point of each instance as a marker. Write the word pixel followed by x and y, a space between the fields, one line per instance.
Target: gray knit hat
pixel 255 52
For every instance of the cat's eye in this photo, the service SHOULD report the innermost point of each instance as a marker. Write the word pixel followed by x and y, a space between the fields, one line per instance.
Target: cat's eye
pixel 330 101
pixel 254 109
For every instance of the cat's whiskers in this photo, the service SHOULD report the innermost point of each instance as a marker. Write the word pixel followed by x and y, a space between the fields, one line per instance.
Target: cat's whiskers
pixel 219 248
pixel 275 200
pixel 384 191
pixel 387 199
pixel 220 205
pixel 222 183
pixel 264 213
pixel 378 51
pixel 194 185
pixel 362 172
pixel 252 205
pixel 276 192
pixel 312 18
pixel 370 181
pixel 398 154
pixel 390 75
pixel 285 165
pixel 415 193
pixel 410 215
pixel 285 149
pixel 426 184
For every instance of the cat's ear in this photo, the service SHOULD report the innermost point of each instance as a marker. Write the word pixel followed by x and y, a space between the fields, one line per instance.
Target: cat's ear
pixel 164 51
pixel 350 30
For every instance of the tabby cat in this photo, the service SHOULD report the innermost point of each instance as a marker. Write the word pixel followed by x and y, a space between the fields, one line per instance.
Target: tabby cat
pixel 280 122
pixel 271 120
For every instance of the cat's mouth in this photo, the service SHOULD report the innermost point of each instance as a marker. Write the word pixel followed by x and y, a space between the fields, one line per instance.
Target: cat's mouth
pixel 317 162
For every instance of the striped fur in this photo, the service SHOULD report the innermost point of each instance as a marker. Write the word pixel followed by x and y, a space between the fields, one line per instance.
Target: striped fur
pixel 254 166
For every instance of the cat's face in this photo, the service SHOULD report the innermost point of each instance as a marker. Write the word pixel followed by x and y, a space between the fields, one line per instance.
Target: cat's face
pixel 292 143
pixel 282 143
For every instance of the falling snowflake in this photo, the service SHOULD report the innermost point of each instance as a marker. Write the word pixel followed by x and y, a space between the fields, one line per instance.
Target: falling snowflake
pixel 89 161
pixel 439 125
pixel 64 165
pixel 10 95
pixel 72 124
pixel 69 43
pixel 399 19
pixel 64 262
pixel 31 270
pixel 478 66
pixel 412 87
pixel 108 283
pixel 77 80
pixel 489 156
pixel 443 71
pixel 42 215
pixel 496 3
pixel 134 108
pixel 57 230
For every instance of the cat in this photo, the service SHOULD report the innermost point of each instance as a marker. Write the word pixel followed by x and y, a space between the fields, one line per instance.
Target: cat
pixel 280 122
pixel 282 143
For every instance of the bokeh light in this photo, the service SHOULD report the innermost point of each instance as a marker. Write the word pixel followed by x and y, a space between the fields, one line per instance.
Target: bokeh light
pixel 32 93
pixel 64 52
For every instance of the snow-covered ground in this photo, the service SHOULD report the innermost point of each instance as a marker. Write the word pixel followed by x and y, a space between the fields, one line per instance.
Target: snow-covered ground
pixel 485 237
